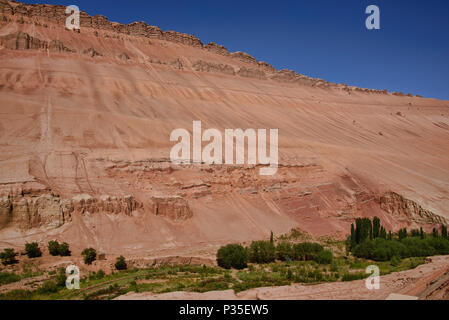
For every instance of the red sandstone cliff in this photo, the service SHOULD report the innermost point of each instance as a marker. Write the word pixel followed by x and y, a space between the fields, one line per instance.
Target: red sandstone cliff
pixel 86 121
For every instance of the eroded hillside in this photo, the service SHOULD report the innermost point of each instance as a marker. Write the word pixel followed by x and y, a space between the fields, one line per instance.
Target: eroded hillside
pixel 85 141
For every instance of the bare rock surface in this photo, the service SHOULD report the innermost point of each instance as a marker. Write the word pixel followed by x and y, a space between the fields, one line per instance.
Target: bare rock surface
pixel 85 141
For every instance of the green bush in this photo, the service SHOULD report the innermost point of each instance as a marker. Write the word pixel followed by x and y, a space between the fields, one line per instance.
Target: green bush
pixel 57 249
pixel 100 274
pixel 89 255
pixel 262 252
pixel 64 250
pixel 6 277
pixel 284 251
pixel 8 256
pixel 120 264
pixel 32 250
pixel 61 278
pixel 354 276
pixel 307 250
pixel 48 287
pixel 334 266
pixel 324 257
pixel 53 248
pixel 17 294
pixel 395 261
pixel 232 256
pixel 384 250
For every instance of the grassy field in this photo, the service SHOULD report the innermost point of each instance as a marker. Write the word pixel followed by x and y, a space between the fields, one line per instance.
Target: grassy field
pixel 203 279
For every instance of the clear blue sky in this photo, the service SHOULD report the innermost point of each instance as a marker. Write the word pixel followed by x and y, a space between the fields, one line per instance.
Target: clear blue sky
pixel 320 38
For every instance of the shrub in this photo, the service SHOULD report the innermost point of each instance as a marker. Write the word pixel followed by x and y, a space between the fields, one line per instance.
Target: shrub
pixel 120 264
pixel 354 276
pixel 48 287
pixel 53 248
pixel 324 257
pixel 232 256
pixel 284 251
pixel 89 255
pixel 334 266
pixel 61 278
pixel 100 274
pixel 8 256
pixel 6 277
pixel 32 250
pixel 307 250
pixel 384 250
pixel 64 250
pixel 395 261
pixel 262 252
pixel 57 249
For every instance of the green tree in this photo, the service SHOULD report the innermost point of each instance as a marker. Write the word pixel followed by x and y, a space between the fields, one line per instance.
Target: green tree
pixel 353 237
pixel 271 238
pixel 324 257
pixel 383 233
pixel 32 250
pixel 64 250
pixel 89 255
pixel 284 251
pixel 307 250
pixel 262 252
pixel 376 227
pixel 402 233
pixel 232 256
pixel 358 228
pixel 444 232
pixel 435 232
pixel 120 264
pixel 8 256
pixel 53 248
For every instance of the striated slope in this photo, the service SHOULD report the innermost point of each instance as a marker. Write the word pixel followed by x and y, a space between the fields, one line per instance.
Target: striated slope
pixel 86 121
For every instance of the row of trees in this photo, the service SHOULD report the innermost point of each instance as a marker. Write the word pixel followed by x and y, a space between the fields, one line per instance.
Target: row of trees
pixel 90 255
pixel 32 250
pixel 365 229
pixel 384 250
pixel 237 256
pixel 370 240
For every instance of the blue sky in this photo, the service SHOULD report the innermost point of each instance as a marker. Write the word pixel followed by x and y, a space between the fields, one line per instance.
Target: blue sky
pixel 321 38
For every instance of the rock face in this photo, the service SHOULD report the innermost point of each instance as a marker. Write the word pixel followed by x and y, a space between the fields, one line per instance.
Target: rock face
pixel 85 142
pixel 46 211
pixel 105 204
pixel 174 208
pixel 23 41
pixel 204 66
pixel 50 211
pixel 396 205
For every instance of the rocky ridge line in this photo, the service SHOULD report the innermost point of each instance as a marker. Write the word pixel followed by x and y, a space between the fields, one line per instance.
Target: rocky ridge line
pixel 56 13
